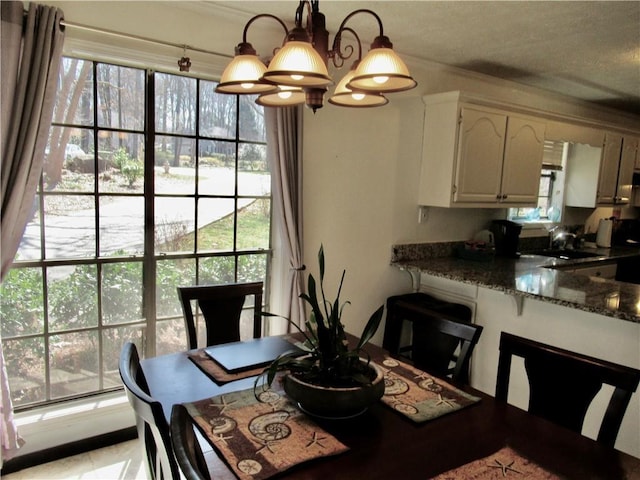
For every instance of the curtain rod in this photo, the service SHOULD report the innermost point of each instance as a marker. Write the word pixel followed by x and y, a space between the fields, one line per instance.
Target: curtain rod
pixel 80 26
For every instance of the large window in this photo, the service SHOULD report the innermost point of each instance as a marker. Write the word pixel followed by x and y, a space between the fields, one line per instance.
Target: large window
pixel 151 181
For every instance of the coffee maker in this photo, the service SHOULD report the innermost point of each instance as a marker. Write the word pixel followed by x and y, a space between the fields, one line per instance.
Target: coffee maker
pixel 506 235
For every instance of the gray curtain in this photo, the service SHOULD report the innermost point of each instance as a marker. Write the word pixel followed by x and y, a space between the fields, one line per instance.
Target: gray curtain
pixel 29 58
pixel 284 127
pixel 31 51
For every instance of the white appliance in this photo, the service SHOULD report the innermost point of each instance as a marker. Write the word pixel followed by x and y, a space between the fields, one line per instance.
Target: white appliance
pixel 603 237
pixel 485 236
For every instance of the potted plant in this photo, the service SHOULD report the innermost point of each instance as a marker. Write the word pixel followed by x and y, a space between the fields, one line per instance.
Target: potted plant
pixel 334 379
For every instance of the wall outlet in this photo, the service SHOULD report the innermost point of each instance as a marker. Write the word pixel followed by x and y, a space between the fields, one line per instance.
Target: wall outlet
pixel 423 214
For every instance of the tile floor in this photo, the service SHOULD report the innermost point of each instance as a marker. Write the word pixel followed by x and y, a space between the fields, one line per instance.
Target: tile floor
pixel 122 461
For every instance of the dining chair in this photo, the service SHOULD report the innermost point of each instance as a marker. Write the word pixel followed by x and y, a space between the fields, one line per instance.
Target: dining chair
pixel 185 445
pixel 221 307
pixel 153 430
pixel 443 337
pixel 562 384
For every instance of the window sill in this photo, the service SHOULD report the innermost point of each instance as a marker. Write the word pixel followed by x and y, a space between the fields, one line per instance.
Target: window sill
pixel 535 229
pixel 55 425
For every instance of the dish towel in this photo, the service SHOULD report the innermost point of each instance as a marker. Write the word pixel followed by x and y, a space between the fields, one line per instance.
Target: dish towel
pixel 418 395
pixel 505 463
pixel 261 437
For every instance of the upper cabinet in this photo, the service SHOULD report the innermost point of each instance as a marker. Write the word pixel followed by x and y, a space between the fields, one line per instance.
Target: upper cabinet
pixel 605 179
pixel 479 156
pixel 609 169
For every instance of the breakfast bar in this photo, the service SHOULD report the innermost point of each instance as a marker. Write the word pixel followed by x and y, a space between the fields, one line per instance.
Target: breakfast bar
pixel 531 276
pixel 539 298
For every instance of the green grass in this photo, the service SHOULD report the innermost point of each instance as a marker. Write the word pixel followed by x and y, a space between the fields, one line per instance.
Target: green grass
pixel 253 231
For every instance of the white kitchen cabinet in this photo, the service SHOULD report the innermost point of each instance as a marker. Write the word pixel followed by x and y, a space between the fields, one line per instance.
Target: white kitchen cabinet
pixel 524 149
pixel 609 166
pixel 603 181
pixel 628 158
pixel 479 156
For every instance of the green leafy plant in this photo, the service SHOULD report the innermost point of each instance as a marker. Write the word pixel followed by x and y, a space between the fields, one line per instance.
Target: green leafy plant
pixel 132 170
pixel 330 360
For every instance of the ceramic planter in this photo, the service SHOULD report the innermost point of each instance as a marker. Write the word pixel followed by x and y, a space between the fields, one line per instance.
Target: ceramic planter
pixel 335 402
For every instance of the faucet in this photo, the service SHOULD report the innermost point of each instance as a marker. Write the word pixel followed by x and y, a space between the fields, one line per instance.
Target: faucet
pixel 551 237
pixel 562 240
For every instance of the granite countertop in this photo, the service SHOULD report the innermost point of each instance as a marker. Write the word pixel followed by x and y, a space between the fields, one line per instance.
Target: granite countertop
pixel 532 276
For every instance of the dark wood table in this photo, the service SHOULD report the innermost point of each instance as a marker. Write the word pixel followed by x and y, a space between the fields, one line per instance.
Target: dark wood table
pixel 385 445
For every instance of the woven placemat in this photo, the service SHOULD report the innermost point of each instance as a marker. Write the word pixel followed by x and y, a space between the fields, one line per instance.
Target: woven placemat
pixel 215 371
pixel 219 374
pixel 418 395
pixel 505 463
pixel 261 437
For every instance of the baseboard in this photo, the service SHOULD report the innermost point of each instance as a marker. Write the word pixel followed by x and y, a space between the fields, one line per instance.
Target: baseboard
pixel 62 451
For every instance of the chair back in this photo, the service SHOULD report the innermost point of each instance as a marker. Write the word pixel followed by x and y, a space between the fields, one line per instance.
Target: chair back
pixel 562 384
pixel 442 334
pixel 221 307
pixel 186 446
pixel 153 430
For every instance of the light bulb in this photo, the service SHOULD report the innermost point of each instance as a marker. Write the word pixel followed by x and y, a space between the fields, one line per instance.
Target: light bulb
pixel 380 80
pixel 285 94
pixel 246 86
pixel 297 77
pixel 357 96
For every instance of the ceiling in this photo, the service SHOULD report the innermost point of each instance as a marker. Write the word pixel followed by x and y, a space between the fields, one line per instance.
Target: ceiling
pixel 588 50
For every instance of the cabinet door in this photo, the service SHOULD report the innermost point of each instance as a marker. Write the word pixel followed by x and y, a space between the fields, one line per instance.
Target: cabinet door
pixel 479 158
pixel 625 170
pixel 523 153
pixel 608 177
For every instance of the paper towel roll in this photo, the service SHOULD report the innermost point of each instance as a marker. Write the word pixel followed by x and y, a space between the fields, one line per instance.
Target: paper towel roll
pixel 603 237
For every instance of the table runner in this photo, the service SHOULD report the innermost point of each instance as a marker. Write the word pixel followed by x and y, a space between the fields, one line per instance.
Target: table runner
pixel 262 437
pixel 418 395
pixel 504 463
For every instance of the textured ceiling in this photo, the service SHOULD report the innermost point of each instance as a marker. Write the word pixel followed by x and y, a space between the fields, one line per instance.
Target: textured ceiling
pixel 586 50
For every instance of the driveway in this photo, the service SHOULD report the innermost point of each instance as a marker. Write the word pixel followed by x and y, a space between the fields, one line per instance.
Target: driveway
pixel 122 220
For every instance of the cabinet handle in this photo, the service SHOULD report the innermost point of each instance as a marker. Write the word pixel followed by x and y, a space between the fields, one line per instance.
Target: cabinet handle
pixel 504 197
pixel 598 274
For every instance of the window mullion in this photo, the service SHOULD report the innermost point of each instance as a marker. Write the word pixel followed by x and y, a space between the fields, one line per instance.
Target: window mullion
pixel 149 262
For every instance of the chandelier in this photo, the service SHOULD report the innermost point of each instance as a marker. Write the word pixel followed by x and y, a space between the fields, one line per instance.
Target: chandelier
pixel 298 73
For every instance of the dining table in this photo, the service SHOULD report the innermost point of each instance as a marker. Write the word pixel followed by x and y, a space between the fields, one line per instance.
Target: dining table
pixel 384 444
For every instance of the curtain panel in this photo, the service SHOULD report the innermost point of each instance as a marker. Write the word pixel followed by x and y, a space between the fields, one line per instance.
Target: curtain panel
pixel 284 151
pixel 29 58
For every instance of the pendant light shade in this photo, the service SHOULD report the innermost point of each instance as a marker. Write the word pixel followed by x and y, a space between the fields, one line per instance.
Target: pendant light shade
pixel 381 70
pixel 243 73
pixel 283 97
pixel 297 64
pixel 298 73
pixel 344 97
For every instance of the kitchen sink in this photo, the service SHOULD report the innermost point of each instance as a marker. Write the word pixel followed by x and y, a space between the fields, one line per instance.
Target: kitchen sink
pixel 565 254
